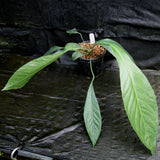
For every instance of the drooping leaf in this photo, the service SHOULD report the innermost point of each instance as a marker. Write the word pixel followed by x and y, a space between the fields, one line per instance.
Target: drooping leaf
pixel 92 115
pixel 27 71
pixel 72 31
pixel 138 96
pixel 53 49
pixel 106 44
pixel 76 55
pixel 73 47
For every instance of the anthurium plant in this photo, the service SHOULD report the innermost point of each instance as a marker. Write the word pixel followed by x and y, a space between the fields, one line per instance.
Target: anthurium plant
pixel 138 96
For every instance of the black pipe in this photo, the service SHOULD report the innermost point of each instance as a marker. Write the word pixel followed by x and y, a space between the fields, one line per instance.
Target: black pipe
pixel 27 155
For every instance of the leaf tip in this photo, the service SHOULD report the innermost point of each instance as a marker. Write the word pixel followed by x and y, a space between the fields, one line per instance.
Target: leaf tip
pixel 93 143
pixel 4 89
pixel 9 87
pixel 152 150
pixel 94 140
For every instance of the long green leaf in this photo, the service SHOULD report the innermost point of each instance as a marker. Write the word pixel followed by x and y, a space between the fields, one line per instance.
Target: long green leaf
pixel 76 55
pixel 73 47
pixel 92 115
pixel 138 96
pixel 106 43
pixel 27 71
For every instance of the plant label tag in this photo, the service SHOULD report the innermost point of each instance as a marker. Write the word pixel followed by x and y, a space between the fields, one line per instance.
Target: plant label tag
pixel 92 38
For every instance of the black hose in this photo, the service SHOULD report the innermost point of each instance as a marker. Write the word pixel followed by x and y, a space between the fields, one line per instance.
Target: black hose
pixel 22 154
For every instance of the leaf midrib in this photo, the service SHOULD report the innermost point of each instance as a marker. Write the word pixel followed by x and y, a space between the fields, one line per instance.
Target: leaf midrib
pixel 93 117
pixel 135 92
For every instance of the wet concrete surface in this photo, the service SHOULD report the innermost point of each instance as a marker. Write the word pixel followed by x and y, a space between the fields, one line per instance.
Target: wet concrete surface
pixel 46 116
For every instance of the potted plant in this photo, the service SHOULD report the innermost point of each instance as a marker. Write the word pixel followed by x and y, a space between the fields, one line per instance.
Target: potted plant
pixel 137 94
pixel 92 52
pixel 96 56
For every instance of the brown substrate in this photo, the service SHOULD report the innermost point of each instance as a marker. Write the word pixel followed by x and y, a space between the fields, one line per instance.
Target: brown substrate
pixel 97 51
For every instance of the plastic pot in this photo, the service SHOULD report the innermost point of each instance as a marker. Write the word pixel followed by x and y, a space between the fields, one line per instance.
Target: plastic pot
pixel 96 65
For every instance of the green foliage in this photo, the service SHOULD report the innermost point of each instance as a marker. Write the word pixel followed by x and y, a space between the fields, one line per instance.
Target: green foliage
pixel 74 31
pixel 27 71
pixel 76 55
pixel 138 96
pixel 92 115
pixel 73 47
pixel 53 49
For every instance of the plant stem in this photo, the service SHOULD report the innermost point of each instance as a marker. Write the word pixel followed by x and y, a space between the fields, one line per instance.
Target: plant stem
pixel 91 69
pixel 92 49
pixel 81 36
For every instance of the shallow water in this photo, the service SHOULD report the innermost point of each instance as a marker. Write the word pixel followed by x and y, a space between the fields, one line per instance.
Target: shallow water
pixel 46 116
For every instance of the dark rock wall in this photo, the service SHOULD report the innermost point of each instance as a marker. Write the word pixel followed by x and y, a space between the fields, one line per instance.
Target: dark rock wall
pixel 30 27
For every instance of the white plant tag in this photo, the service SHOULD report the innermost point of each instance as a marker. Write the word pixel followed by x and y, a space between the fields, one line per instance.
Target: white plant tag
pixel 92 38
